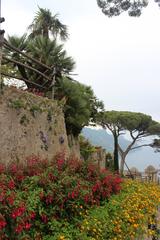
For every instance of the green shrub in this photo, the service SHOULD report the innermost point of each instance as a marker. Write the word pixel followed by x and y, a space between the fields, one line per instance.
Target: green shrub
pixel 49 200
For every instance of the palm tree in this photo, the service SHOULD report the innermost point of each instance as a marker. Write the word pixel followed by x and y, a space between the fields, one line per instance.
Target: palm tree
pixel 52 54
pixel 45 24
pixel 21 44
pixel 45 51
pixel 38 58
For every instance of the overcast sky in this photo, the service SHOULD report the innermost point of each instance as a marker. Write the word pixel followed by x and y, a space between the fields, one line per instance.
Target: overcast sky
pixel 119 57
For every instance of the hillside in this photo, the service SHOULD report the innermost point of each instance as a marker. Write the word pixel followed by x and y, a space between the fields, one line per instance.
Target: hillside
pixel 101 138
pixel 140 158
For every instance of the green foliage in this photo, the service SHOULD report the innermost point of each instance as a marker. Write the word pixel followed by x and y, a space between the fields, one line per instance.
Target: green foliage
pixel 86 148
pixel 29 102
pixel 48 200
pixel 45 23
pixel 35 109
pixel 41 47
pixel 109 161
pixel 138 125
pixel 6 68
pixel 81 105
pixel 17 103
pixel 114 8
pixel 39 201
pixel 132 121
pixel 156 144
pixel 123 120
pixel 125 216
pixel 97 224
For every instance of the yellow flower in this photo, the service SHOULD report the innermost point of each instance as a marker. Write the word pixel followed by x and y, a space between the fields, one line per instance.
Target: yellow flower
pixel 62 238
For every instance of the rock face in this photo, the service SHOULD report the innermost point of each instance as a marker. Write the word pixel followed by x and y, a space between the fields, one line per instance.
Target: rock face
pixel 30 125
pixel 99 157
pixel 74 146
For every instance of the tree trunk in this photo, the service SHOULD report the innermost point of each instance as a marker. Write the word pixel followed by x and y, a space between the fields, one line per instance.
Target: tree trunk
pixel 122 162
pixel 116 160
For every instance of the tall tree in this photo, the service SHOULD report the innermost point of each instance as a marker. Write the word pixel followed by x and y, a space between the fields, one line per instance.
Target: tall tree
pixel 80 104
pixel 115 7
pixel 44 23
pixel 45 51
pixel 41 45
pixel 138 125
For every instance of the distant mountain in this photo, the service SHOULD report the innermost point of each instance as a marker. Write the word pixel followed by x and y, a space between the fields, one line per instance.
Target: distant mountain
pixel 140 158
pixel 100 137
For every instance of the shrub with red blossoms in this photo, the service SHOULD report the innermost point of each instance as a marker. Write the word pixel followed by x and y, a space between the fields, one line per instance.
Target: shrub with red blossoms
pixel 35 91
pixel 3 222
pixel 40 192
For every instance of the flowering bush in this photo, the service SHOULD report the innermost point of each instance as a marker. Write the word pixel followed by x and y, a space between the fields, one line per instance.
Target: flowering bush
pixel 35 91
pixel 40 198
pixel 126 216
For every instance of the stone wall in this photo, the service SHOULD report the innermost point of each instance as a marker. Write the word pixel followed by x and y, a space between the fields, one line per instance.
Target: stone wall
pixel 99 156
pixel 30 124
pixel 74 146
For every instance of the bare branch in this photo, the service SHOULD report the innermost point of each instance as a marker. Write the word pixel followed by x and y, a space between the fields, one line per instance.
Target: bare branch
pixel 144 135
pixel 144 145
pixel 6 44
pixel 130 145
pixel 139 135
pixel 131 134
pixel 27 66
pixel 120 149
pixel 22 79
pixel 109 127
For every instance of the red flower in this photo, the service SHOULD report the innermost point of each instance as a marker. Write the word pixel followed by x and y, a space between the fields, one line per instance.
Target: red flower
pixel 2 224
pixel 13 168
pixel 41 195
pixel 73 195
pixel 20 177
pixel 2 168
pixel 44 218
pixel 18 212
pixel 27 226
pixel 49 199
pixel 19 228
pixel 60 164
pixel 10 200
pixel 86 198
pixel 32 215
pixel 2 196
pixel 11 184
